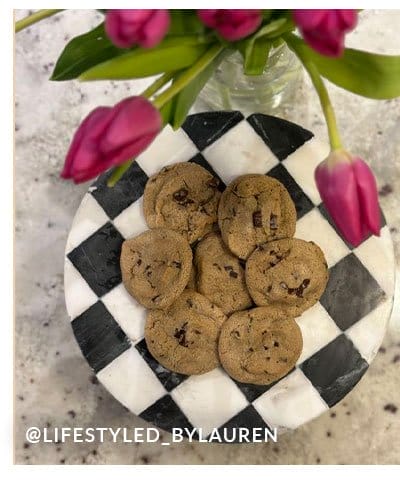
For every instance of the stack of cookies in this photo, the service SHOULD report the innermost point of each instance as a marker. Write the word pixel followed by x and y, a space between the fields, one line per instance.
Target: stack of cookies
pixel 221 274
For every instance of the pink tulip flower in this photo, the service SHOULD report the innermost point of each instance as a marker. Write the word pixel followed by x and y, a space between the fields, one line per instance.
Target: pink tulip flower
pixel 231 24
pixel 348 190
pixel 110 136
pixel 145 27
pixel 324 30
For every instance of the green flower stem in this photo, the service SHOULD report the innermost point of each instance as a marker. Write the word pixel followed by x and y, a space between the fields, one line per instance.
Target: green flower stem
pixel 157 84
pixel 187 76
pixel 327 108
pixel 35 17
pixel 117 173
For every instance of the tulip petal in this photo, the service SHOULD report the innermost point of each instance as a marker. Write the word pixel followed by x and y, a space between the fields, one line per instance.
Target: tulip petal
pixel 133 117
pixel 367 196
pixel 338 189
pixel 96 118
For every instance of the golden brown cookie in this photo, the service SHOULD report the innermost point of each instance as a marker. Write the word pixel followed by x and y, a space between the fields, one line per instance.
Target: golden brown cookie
pixel 183 197
pixel 289 275
pixel 220 277
pixel 259 346
pixel 156 266
pixel 184 337
pixel 253 210
pixel 192 283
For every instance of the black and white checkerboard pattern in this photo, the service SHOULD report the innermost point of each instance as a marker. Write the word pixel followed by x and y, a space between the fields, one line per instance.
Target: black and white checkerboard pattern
pixel 341 333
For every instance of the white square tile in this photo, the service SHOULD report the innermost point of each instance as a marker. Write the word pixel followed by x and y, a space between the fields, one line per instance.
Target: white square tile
pixel 78 295
pixel 376 254
pixel 302 163
pixel 313 227
pixel 88 218
pixel 290 403
pixel 209 400
pixel 131 222
pixel 169 147
pixel 238 152
pixel 128 313
pixel 317 328
pixel 368 333
pixel 131 381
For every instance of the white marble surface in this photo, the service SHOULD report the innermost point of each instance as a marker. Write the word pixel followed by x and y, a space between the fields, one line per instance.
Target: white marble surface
pixel 54 385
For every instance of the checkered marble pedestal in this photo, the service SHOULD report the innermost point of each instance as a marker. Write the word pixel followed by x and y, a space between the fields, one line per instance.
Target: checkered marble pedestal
pixel 341 333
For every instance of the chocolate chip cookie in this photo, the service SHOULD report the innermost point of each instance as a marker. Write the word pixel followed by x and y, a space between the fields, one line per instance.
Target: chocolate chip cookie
pixel 192 283
pixel 156 266
pixel 259 346
pixel 289 275
pixel 253 210
pixel 184 337
pixel 220 276
pixel 183 197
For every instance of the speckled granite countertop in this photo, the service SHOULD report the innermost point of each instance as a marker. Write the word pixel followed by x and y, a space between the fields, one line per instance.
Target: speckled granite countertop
pixel 54 385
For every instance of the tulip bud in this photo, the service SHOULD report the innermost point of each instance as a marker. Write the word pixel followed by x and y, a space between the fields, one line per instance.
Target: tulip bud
pixel 348 190
pixel 142 26
pixel 231 24
pixel 110 136
pixel 324 30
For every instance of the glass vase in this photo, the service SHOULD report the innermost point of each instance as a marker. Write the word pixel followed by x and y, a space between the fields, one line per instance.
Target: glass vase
pixel 230 89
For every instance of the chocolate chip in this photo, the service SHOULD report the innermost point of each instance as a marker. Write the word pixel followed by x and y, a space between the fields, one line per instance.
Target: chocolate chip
pixel 257 219
pixel 273 219
pixel 177 264
pixel 396 359
pixel 197 332
pixel 300 289
pixel 72 413
pixel 180 195
pixel 139 262
pixel 180 334
pixel 233 274
pixel 276 344
pixel 213 183
pixel 251 349
pixel 269 288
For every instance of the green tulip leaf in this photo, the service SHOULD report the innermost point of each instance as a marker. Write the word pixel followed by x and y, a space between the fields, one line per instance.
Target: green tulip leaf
pixel 83 52
pixel 166 112
pixel 256 57
pixel 371 75
pixel 170 55
pixel 185 22
pixel 184 100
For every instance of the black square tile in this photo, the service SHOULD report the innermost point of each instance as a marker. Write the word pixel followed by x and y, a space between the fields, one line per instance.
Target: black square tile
pixel 253 391
pixel 99 336
pixel 246 419
pixel 327 216
pixel 205 128
pixel 199 158
pixel 282 137
pixel 97 259
pixel 335 369
pixel 301 201
pixel 126 191
pixel 166 414
pixel 167 378
pixel 351 292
